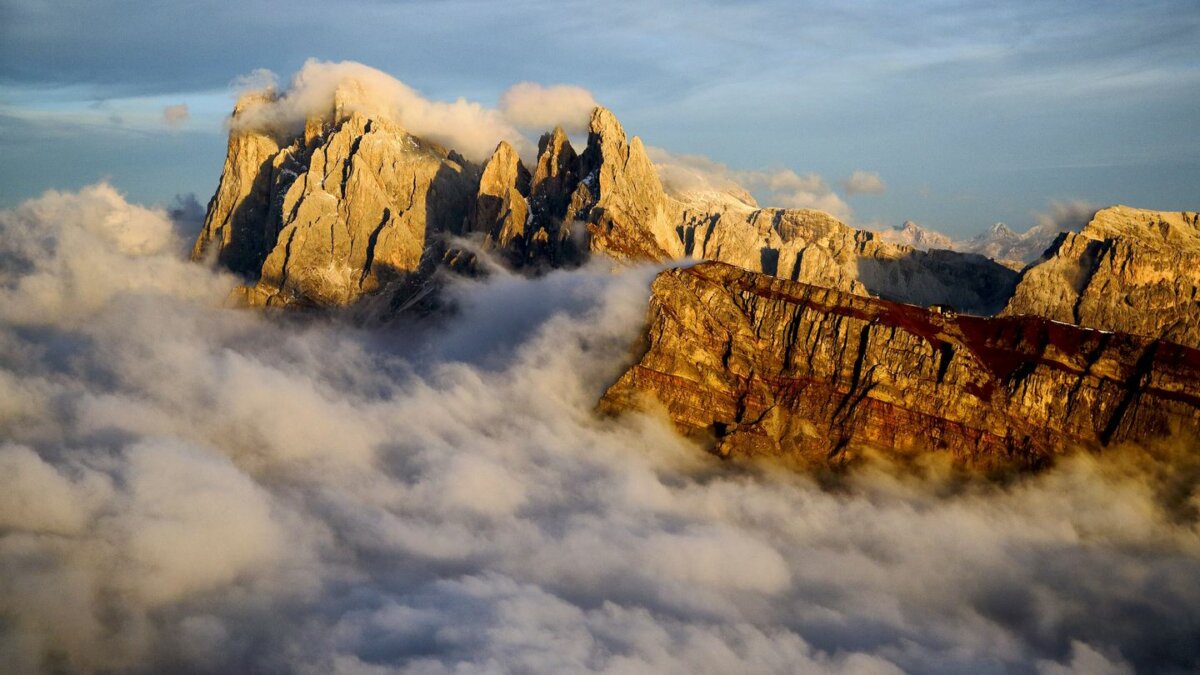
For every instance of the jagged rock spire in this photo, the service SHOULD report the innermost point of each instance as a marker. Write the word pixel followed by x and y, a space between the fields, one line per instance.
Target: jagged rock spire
pixel 556 174
pixel 634 218
pixel 501 208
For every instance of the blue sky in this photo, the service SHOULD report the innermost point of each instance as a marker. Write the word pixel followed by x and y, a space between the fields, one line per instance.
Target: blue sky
pixel 971 113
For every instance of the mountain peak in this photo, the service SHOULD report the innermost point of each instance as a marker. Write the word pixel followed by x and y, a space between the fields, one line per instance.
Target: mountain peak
pixel 505 152
pixel 605 125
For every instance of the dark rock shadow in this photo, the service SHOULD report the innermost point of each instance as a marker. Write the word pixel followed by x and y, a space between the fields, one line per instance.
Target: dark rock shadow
pixel 769 260
pixel 966 282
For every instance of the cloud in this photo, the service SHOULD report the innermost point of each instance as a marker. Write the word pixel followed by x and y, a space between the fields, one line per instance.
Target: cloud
pixel 185 488
pixel 175 115
pixel 467 126
pixel 1064 216
pixel 187 215
pixel 68 255
pixel 861 182
pixel 259 79
pixel 532 106
pixel 690 174
pixel 801 191
pixel 463 125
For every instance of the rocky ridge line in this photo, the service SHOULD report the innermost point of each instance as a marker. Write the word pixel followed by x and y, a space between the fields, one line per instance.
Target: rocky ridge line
pixel 355 205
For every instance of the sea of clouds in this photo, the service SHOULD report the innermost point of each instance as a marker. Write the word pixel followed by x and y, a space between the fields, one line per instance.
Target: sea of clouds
pixel 186 487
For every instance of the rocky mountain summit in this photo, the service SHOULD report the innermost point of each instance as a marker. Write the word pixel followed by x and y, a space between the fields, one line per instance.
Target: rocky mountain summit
pixel 759 365
pixel 354 205
pixel 813 247
pixel 1128 270
pixel 335 213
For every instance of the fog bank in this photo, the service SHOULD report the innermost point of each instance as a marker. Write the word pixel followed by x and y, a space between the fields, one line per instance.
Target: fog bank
pixel 191 488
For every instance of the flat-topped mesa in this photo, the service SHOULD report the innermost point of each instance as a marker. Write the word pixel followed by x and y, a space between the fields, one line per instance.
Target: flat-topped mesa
pixel 764 366
pixel 1130 270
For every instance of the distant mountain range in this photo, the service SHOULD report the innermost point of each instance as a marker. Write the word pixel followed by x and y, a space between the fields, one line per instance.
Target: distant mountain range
pixel 999 242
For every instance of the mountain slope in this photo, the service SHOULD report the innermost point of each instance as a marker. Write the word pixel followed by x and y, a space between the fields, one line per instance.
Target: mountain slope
pixel 1130 270
pixel 765 366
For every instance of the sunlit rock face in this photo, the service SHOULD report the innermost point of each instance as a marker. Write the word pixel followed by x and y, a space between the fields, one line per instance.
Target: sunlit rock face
pixel 362 213
pixel 630 215
pixel 501 206
pixel 353 205
pixel 633 218
pixel 235 226
pixel 765 366
pixel 531 219
pixel 1128 270
pixel 337 212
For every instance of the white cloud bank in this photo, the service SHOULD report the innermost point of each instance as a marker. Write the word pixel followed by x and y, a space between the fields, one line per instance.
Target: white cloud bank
pixel 861 182
pixel 466 126
pixel 187 488
pixel 539 108
pixel 684 174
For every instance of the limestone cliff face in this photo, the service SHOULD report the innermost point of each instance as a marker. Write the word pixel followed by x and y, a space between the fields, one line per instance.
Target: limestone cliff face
pixel 531 219
pixel 361 214
pixel 333 213
pixel 630 216
pixel 236 221
pixel 766 366
pixel 501 206
pixel 1129 270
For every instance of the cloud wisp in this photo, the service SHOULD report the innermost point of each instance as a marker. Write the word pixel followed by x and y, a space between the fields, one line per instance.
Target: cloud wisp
pixel 190 488
pixel 684 174
pixel 539 108
pixel 861 182
pixel 467 126
pixel 175 115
